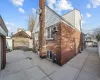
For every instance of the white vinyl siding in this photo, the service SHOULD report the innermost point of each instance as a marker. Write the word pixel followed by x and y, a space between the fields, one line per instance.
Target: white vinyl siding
pixel 74 17
pixel 51 18
pixel 78 20
pixel 70 17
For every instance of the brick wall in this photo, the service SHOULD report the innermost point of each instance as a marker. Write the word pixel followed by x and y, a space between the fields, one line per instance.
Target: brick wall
pixel 54 45
pixel 70 42
pixel 65 43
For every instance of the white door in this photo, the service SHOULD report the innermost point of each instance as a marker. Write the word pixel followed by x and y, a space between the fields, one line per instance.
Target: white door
pixel 0 52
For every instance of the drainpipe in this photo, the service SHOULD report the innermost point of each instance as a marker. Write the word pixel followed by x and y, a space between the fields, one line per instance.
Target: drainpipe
pixel 42 27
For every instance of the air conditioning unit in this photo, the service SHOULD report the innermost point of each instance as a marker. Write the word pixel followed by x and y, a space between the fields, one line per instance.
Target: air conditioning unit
pixel 55 29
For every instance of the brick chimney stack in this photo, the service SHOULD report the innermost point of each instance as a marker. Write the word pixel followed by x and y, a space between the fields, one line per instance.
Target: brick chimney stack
pixel 42 27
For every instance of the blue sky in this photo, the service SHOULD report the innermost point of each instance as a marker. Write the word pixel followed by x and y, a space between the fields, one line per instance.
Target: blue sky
pixel 15 12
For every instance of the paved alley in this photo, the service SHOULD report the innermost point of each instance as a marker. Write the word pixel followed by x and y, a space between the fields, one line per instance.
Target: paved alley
pixel 28 66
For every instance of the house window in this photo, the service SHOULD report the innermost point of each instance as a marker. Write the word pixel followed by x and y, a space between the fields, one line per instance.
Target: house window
pixel 49 33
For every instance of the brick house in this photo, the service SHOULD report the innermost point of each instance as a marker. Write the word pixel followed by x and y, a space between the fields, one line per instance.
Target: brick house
pixel 3 34
pixel 62 37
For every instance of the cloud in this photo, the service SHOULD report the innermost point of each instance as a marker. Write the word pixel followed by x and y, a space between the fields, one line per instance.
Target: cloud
pixel 21 10
pixel 17 2
pixel 9 28
pixel 88 6
pixel 95 3
pixel 88 15
pixel 51 3
pixel 60 5
pixel 83 20
pixel 9 24
pixel 33 10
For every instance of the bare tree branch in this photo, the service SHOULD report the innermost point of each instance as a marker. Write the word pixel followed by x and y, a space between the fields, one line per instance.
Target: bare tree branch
pixel 31 23
pixel 97 33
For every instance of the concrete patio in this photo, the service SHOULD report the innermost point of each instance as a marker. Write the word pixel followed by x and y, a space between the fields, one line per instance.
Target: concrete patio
pixel 20 66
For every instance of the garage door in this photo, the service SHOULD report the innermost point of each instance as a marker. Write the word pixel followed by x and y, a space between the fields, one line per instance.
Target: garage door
pixel 21 42
pixel 0 53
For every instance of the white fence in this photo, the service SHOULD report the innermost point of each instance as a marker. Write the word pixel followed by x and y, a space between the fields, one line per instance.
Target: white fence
pixel 99 48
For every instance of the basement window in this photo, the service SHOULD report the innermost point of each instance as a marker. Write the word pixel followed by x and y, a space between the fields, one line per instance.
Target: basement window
pixel 49 55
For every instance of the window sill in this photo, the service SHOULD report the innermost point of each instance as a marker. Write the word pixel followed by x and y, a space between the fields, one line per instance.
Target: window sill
pixel 50 39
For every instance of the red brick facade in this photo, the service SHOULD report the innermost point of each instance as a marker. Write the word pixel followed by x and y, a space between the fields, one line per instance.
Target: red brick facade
pixel 70 42
pixel 65 43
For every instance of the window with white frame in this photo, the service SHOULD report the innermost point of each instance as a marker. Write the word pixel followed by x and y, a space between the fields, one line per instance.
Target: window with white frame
pixel 49 33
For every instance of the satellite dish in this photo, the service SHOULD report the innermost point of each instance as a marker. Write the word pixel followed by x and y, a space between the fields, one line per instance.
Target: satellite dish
pixel 39 11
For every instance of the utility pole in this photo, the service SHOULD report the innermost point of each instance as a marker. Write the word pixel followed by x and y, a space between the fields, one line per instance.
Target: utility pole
pixel 42 27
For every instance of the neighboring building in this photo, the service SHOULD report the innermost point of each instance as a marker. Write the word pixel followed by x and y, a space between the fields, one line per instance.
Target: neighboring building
pixel 22 38
pixel 3 34
pixel 62 37
pixel 90 40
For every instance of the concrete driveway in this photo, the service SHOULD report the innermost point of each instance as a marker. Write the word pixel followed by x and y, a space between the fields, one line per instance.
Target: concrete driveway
pixel 20 66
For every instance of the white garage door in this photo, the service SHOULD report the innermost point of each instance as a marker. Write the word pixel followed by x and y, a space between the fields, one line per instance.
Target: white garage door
pixel 0 53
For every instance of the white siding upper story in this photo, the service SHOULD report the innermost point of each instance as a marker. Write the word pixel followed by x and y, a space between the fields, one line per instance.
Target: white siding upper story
pixel 70 17
pixel 51 18
pixel 74 17
pixel 78 20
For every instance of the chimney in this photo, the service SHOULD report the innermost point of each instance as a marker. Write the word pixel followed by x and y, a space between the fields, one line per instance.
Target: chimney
pixel 42 26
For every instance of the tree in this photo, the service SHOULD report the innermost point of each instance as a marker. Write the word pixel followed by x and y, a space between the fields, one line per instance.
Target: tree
pixel 97 34
pixel 31 23
pixel 30 28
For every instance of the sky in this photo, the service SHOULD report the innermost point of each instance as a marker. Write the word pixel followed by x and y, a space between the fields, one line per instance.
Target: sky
pixel 15 13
